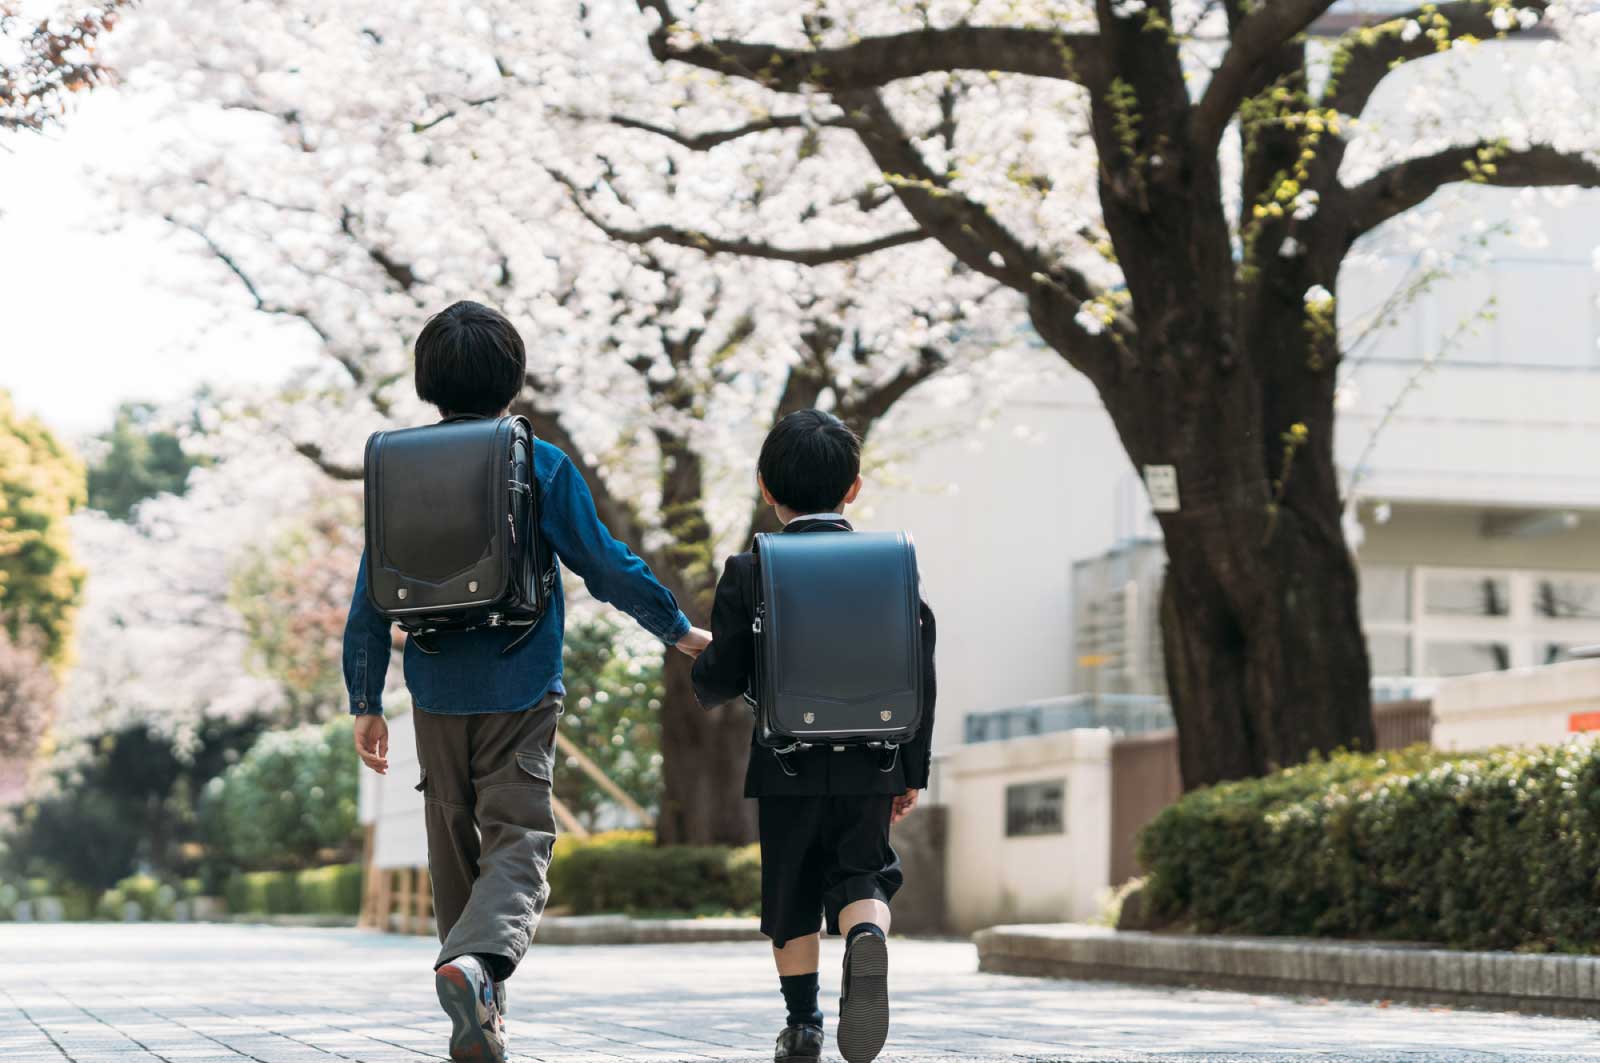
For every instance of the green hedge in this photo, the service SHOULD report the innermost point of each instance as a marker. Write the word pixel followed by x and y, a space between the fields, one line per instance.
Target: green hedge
pixel 1487 850
pixel 627 872
pixel 332 890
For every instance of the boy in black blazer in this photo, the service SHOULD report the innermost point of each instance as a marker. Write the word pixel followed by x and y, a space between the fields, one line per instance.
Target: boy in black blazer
pixel 824 812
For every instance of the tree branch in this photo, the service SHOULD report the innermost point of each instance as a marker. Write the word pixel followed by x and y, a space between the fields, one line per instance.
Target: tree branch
pixel 1266 29
pixel 399 272
pixel 617 515
pixel 334 469
pixel 714 245
pixel 964 226
pixel 423 127
pixel 1407 184
pixel 714 138
pixel 861 410
pixel 876 61
pixel 1365 56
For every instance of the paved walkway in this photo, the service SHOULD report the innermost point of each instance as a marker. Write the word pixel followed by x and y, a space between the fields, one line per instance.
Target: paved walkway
pixel 208 994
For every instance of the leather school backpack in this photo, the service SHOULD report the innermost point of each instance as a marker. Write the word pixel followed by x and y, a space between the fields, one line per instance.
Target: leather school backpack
pixel 838 638
pixel 452 514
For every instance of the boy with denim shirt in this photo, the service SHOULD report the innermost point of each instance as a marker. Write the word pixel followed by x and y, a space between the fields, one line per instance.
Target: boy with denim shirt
pixel 824 813
pixel 486 719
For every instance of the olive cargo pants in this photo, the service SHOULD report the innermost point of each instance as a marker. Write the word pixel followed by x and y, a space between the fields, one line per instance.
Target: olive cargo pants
pixel 486 785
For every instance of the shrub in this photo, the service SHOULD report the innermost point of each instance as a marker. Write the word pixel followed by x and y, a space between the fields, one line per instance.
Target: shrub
pixel 332 890
pixel 288 800
pixel 1486 850
pixel 109 906
pixel 626 872
pixel 156 898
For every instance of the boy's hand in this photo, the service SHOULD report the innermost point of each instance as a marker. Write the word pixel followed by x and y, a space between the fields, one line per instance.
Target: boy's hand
pixel 903 805
pixel 372 742
pixel 694 642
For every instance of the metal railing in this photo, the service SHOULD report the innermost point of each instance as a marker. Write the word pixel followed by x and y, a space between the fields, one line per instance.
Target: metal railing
pixel 1123 713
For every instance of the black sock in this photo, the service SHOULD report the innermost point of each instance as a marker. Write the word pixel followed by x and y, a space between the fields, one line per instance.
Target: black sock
pixel 800 996
pixel 863 928
pixel 499 967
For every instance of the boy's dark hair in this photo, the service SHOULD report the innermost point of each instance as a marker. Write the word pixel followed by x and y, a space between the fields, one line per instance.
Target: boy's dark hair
pixel 809 460
pixel 470 359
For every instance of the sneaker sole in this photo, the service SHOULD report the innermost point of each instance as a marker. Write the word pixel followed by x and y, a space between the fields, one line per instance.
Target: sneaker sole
pixel 864 1015
pixel 469 1041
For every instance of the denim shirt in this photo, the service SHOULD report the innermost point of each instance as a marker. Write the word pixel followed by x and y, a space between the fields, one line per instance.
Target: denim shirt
pixel 469 673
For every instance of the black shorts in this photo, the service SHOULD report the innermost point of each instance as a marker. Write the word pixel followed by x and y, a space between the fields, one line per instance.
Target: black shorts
pixel 819 854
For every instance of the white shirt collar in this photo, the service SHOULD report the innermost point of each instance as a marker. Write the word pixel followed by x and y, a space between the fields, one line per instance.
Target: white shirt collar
pixel 818 516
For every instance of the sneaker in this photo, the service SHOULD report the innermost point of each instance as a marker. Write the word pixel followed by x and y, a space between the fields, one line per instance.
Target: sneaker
pixel 864 1000
pixel 466 992
pixel 799 1044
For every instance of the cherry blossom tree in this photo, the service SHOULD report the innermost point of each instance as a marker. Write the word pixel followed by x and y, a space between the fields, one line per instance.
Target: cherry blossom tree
pixel 1166 190
pixel 371 165
pixel 43 61
pixel 160 642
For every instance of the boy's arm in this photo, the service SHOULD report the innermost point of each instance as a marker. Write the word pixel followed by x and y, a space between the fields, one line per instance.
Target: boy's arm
pixel 918 753
pixel 366 650
pixel 610 570
pixel 722 671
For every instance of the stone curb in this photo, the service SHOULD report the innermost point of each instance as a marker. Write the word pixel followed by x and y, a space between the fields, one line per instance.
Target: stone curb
pixel 1537 984
pixel 625 930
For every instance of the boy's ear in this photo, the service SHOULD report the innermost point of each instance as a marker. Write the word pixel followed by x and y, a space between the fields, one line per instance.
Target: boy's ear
pixel 766 496
pixel 855 489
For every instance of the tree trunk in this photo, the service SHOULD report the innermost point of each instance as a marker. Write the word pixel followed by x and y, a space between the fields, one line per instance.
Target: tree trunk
pixel 703 763
pixel 1265 659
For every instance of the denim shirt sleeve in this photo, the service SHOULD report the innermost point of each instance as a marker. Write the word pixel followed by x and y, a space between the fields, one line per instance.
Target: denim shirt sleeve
pixel 366 650
pixel 608 568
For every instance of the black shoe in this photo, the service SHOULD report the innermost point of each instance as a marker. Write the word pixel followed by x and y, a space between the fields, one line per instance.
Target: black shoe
pixel 864 1000
pixel 799 1044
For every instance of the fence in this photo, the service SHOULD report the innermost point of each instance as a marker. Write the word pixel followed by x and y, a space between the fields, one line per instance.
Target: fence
pixel 1121 713
pixel 1145 778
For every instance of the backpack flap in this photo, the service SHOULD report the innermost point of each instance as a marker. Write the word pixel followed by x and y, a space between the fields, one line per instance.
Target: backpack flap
pixel 841 641
pixel 437 514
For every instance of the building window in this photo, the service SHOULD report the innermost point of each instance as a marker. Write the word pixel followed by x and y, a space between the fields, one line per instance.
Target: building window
pixel 1441 658
pixel 1566 598
pixel 1447 593
pixel 1437 622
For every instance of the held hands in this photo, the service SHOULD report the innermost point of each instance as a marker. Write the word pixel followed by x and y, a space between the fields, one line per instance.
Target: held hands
pixel 372 742
pixel 694 642
pixel 903 805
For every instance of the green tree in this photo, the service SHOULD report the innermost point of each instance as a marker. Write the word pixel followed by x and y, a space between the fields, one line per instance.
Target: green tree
pixel 41 483
pixel 129 799
pixel 613 716
pixel 143 458
pixel 290 802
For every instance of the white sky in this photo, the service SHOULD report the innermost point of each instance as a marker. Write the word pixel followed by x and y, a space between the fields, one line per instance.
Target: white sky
pixel 95 308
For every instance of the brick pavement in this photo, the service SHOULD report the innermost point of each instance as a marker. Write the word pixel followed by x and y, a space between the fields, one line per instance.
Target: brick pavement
pixel 209 994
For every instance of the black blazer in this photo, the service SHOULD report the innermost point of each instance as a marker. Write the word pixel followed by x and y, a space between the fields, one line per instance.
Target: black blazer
pixel 723 671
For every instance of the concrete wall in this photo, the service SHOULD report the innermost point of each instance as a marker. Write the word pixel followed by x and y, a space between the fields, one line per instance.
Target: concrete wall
pixel 392 805
pixel 1527 706
pixel 1453 536
pixel 994 879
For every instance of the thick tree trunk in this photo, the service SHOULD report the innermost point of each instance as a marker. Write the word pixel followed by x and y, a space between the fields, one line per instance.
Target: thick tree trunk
pixel 1265 659
pixel 703 763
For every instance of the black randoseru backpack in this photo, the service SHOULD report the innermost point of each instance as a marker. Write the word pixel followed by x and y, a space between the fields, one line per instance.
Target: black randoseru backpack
pixel 452 513
pixel 838 636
